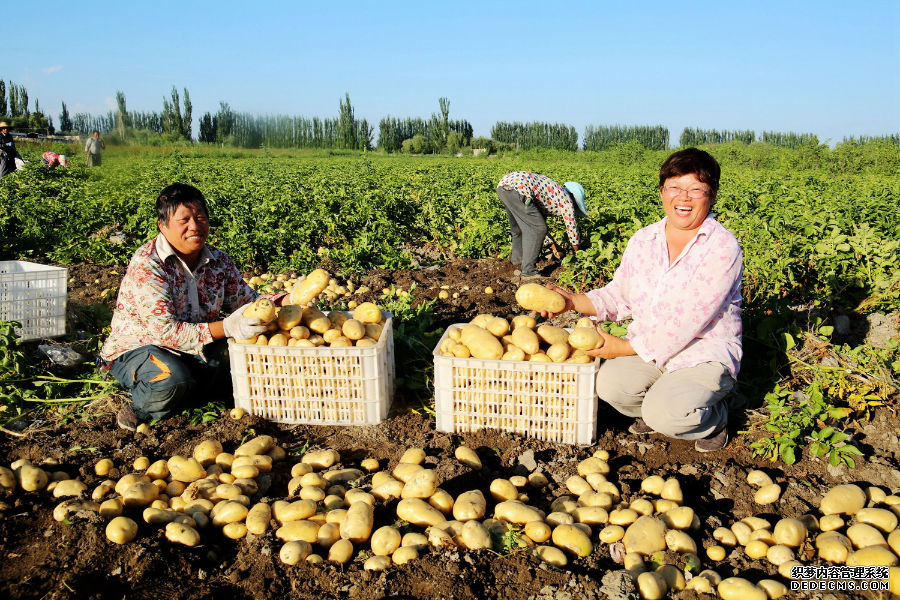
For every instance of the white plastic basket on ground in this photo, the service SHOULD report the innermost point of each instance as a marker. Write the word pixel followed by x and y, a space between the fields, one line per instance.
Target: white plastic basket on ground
pixel 555 402
pixel 320 386
pixel 35 296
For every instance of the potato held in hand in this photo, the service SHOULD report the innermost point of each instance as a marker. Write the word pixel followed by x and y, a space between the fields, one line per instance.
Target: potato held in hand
pixel 532 296
pixel 307 290
pixel 263 309
pixel 585 338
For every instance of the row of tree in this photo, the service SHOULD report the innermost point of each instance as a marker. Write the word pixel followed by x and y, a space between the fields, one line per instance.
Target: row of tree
pixel 14 109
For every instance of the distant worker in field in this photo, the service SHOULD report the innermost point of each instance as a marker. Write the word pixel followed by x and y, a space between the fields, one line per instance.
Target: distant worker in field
pixel 92 148
pixel 8 152
pixel 52 159
pixel 528 199
pixel 680 282
pixel 168 334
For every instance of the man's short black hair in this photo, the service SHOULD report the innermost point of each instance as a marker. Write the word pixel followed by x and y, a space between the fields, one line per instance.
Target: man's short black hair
pixel 177 195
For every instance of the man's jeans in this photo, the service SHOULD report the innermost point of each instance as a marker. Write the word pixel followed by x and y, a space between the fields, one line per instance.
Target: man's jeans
pixel 528 228
pixel 159 378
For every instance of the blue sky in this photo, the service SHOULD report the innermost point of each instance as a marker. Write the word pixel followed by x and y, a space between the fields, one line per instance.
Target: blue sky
pixel 823 67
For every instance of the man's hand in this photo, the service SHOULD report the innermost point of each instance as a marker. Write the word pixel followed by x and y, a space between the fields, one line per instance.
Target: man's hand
pixel 613 347
pixel 240 327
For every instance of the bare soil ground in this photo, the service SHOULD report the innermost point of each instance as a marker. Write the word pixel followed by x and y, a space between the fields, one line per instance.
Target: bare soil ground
pixel 43 558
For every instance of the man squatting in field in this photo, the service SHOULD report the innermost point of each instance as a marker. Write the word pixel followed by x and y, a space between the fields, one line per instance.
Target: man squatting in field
pixel 528 198
pixel 168 335
pixel 680 282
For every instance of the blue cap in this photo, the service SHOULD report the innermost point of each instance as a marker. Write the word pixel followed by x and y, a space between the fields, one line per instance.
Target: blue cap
pixel 578 193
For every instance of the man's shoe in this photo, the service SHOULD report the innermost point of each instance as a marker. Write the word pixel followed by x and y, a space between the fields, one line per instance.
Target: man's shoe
pixel 715 441
pixel 126 418
pixel 640 428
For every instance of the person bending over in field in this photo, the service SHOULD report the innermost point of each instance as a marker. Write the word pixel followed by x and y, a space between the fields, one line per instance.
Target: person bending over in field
pixel 528 198
pixel 168 335
pixel 52 159
pixel 680 282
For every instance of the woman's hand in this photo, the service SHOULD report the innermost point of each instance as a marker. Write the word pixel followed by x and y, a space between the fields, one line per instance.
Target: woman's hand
pixel 612 347
pixel 568 296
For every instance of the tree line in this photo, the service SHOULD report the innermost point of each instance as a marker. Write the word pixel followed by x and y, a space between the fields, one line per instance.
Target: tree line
pixel 413 135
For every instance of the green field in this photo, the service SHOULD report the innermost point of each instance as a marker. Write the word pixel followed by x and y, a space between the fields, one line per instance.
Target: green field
pixel 820 229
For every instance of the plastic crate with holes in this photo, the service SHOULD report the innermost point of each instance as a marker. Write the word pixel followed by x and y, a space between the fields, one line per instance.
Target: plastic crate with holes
pixel 555 402
pixel 35 296
pixel 319 386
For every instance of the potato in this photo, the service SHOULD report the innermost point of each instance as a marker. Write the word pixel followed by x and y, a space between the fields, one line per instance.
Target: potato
pixel 388 489
pixel 284 512
pixel 187 470
pixel 206 452
pixel 503 490
pixel 767 494
pixel 532 296
pixel 305 530
pixel 289 317
pixel 474 536
pixel 653 485
pixel 442 501
pixel 404 554
pixel 481 343
pixel 790 532
pixel 262 309
pixel 642 506
pixel 330 532
pixel 367 312
pixel 258 518
pixel 342 476
pixel 385 541
pixel 498 326
pixel 872 556
pixel 262 462
pixel 121 530
pixel 357 524
pixel 779 554
pixel 623 516
pixel 680 542
pixel 846 499
pixel 526 339
pixel 550 334
pixel 140 494
pixel 31 478
pixel 585 338
pixel 470 506
pixel 758 478
pixel 322 459
pixel 73 505
pixel 645 536
pixel 112 508
pixel 737 588
pixel 716 553
pixel 294 552
pixel 101 468
pixel 773 589
pixel 229 512
pixel 862 535
pixel 422 485
pixel 679 518
pixel 879 518
pixel 591 515
pixel 523 321
pixel 651 586
pixel 307 290
pixel 341 551
pixel 516 512
pixel 69 487
pixel 558 352
pixel 467 456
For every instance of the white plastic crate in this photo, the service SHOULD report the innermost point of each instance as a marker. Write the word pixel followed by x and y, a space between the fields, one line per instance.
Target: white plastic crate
pixel 35 296
pixel 556 402
pixel 321 386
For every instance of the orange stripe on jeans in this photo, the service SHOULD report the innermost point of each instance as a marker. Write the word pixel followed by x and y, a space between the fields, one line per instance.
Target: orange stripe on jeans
pixel 165 372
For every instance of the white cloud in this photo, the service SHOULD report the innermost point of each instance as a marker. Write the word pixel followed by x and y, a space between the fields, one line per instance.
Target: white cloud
pixel 54 69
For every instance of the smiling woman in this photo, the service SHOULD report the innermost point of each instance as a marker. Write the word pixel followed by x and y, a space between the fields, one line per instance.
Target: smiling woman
pixel 680 281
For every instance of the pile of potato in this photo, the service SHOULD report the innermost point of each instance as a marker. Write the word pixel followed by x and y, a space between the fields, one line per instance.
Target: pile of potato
pixel 495 338
pixel 309 327
pixel 328 513
pixel 330 292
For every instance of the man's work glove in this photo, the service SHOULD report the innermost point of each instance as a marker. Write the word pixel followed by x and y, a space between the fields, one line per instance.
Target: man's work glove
pixel 239 327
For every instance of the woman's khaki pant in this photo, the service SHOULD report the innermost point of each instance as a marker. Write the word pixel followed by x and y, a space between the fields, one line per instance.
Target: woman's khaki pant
pixel 686 404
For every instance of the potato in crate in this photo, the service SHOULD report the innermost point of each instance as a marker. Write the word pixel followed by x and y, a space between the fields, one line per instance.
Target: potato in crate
pixel 550 401
pixel 35 296
pixel 350 385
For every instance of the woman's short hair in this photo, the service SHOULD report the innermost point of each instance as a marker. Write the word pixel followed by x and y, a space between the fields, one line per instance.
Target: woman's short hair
pixel 177 195
pixel 692 161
